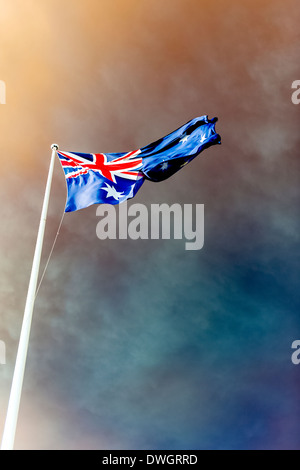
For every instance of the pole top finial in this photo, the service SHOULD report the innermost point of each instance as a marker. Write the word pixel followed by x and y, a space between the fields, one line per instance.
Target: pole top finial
pixel 54 147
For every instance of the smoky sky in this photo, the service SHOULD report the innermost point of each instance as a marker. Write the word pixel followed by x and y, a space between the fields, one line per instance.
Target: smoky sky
pixel 139 344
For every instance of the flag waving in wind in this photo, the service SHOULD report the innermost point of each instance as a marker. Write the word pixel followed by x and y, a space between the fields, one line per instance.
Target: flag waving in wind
pixel 112 178
pixel 103 178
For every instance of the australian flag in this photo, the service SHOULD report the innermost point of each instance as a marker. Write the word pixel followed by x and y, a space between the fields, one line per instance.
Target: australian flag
pixel 112 178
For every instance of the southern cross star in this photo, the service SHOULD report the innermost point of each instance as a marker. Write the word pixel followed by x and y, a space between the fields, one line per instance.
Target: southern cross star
pixel 112 192
pixel 164 166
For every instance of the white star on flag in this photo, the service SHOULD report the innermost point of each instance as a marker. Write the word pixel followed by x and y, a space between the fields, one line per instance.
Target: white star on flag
pixel 112 192
pixel 164 166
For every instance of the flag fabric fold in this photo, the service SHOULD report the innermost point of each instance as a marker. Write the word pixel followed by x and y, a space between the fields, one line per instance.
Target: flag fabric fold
pixel 112 178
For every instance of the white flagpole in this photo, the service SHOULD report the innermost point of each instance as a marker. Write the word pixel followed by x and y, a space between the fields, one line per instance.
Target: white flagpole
pixel 17 383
